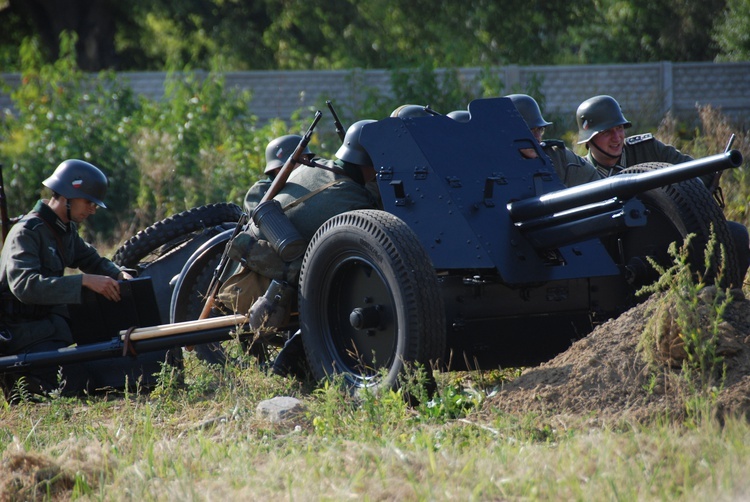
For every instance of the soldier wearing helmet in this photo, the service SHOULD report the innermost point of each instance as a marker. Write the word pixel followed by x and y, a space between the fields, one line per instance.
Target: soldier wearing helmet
pixel 34 289
pixel 314 192
pixel 572 169
pixel 601 127
pixel 277 152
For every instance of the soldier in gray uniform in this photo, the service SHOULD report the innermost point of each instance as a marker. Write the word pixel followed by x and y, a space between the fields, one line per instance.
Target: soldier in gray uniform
pixel 277 151
pixel 601 127
pixel 572 169
pixel 314 192
pixel 34 290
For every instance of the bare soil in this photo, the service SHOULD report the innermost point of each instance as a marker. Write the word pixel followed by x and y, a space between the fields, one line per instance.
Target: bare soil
pixel 607 376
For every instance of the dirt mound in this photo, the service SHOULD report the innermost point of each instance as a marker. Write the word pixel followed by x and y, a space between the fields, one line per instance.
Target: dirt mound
pixel 606 375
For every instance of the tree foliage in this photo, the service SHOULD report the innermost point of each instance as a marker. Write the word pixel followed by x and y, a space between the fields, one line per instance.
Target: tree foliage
pixel 336 34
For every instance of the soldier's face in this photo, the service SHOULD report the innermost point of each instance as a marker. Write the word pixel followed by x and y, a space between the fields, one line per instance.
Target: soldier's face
pixel 610 141
pixel 538 133
pixel 80 209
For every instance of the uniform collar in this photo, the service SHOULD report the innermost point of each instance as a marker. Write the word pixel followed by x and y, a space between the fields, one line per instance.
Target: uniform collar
pixel 609 170
pixel 47 214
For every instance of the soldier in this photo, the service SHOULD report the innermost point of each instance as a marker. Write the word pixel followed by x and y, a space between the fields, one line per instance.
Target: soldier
pixel 277 151
pixel 572 169
pixel 312 194
pixel 34 290
pixel 601 127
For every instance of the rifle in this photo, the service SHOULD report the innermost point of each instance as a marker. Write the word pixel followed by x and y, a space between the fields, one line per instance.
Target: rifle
pixel 276 185
pixel 4 220
pixel 714 188
pixel 336 122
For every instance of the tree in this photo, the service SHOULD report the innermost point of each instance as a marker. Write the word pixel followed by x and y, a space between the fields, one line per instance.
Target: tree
pixel 93 21
pixel 732 32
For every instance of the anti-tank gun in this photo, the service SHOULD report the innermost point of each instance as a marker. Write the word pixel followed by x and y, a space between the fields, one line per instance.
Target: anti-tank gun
pixel 480 255
pixel 518 265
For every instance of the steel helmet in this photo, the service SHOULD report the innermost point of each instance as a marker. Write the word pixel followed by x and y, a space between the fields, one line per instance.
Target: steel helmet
pixel 529 110
pixel 598 114
pixel 352 150
pixel 76 179
pixel 460 115
pixel 410 112
pixel 279 149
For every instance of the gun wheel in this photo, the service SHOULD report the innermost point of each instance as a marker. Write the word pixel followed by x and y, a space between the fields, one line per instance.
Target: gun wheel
pixel 158 239
pixel 674 212
pixel 369 300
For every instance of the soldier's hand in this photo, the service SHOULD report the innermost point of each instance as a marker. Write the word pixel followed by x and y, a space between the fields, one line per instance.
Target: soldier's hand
pixel 105 286
pixel 124 276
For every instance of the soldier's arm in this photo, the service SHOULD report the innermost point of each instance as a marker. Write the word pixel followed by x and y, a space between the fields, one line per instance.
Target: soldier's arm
pixel 87 259
pixel 28 270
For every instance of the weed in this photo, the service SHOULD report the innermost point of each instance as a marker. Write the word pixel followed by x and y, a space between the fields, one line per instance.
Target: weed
pixel 683 333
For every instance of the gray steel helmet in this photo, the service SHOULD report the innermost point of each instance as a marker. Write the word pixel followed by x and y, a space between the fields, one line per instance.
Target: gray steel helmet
pixel 351 150
pixel 279 149
pixel 598 114
pixel 76 179
pixel 529 110
pixel 410 112
pixel 460 115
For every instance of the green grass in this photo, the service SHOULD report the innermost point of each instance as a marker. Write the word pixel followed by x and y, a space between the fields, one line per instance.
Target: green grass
pixel 203 441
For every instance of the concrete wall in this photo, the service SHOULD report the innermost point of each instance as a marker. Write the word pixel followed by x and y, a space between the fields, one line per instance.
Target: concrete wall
pixel 645 91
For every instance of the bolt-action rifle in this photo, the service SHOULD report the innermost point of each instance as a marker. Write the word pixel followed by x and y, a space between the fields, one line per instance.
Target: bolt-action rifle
pixel 278 183
pixel 336 122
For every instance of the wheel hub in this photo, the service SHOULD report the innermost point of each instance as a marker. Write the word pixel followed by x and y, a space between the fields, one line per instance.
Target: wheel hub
pixel 366 317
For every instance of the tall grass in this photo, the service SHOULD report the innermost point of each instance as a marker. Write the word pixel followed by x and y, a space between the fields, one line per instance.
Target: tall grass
pixel 202 440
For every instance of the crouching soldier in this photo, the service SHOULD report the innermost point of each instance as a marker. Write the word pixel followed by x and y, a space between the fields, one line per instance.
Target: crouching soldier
pixel 34 289
pixel 314 192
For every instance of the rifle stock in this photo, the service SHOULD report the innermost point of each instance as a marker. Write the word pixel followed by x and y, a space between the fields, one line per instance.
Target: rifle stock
pixel 278 183
pixel 213 288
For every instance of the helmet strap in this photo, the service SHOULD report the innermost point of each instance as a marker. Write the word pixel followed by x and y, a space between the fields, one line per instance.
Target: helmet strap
pixel 603 152
pixel 67 208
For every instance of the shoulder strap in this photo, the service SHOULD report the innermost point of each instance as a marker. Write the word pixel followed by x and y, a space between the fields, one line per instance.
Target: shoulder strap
pixel 302 199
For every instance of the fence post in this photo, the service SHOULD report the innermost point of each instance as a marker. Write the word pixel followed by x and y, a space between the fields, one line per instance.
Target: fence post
pixel 667 87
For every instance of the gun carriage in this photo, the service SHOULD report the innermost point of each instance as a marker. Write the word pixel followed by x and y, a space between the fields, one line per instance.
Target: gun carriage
pixel 480 256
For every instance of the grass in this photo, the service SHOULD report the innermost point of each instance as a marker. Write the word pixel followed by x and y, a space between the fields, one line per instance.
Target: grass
pixel 203 441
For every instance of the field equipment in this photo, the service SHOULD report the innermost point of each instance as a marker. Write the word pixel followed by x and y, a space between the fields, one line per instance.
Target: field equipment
pixel 480 257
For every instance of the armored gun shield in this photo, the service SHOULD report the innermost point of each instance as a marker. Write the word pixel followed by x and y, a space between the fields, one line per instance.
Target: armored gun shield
pixel 522 264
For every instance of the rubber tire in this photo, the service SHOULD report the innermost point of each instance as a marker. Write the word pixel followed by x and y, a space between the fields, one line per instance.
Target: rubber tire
pixel 164 235
pixel 674 211
pixel 367 258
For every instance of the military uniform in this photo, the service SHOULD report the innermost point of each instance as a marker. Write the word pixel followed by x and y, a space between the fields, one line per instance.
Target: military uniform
pixel 644 148
pixel 639 149
pixel 255 194
pixel 310 196
pixel 572 169
pixel 33 284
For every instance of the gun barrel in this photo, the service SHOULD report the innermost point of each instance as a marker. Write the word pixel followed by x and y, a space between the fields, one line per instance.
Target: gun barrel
pixel 622 186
